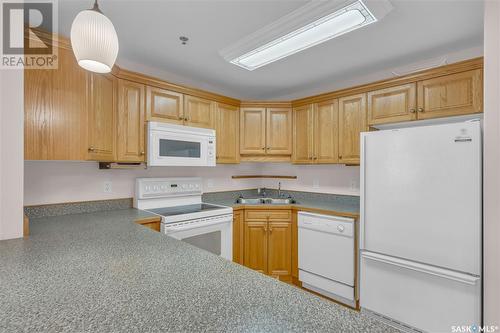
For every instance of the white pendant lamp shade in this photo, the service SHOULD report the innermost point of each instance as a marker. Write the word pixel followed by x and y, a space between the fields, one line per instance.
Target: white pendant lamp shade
pixel 94 41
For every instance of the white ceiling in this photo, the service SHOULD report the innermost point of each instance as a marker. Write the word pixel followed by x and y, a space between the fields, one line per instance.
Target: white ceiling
pixel 149 31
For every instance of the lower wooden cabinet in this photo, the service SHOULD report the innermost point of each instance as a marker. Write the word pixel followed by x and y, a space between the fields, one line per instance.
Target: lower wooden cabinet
pixel 267 238
pixel 238 237
pixel 153 224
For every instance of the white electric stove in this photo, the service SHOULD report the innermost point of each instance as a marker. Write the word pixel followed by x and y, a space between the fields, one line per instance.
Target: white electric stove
pixel 184 216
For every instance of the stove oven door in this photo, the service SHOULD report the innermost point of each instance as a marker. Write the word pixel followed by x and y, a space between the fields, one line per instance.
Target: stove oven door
pixel 215 237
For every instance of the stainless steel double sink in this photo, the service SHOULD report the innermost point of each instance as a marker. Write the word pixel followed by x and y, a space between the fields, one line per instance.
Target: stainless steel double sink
pixel 265 201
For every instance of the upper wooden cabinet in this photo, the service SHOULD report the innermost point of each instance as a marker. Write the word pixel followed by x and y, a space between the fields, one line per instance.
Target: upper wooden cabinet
pixel 450 95
pixel 131 122
pixel 199 112
pixel 55 111
pixel 266 131
pixel 392 104
pixel 303 134
pixel 352 121
pixel 164 105
pixel 253 131
pixel 316 133
pixel 227 129
pixel 101 118
pixel 278 131
pixel 326 131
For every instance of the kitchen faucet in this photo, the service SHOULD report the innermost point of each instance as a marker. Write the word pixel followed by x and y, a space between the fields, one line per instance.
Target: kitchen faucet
pixel 279 189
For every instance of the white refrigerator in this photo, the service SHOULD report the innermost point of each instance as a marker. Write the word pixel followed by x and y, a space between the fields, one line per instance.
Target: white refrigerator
pixel 421 226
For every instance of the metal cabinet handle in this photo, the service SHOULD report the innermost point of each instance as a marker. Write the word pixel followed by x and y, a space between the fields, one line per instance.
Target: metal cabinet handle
pixel 315 157
pixel 420 109
pixel 270 229
pixel 142 152
pixel 412 110
pixel 263 148
pixel 91 148
pixel 265 228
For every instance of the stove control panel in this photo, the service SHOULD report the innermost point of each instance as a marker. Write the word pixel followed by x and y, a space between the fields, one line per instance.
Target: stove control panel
pixel 167 187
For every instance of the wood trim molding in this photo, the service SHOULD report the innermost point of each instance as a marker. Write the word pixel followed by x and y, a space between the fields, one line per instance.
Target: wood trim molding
pixel 152 81
pixel 462 66
pixel 263 176
pixel 264 104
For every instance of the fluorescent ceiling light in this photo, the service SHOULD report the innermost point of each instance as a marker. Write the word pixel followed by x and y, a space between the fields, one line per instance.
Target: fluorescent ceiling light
pixel 349 18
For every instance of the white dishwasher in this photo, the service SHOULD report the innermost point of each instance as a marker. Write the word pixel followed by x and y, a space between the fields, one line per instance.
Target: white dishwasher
pixel 326 255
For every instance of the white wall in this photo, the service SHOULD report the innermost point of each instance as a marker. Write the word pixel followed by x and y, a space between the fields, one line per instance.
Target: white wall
pixel 337 179
pixel 11 153
pixel 492 163
pixel 58 181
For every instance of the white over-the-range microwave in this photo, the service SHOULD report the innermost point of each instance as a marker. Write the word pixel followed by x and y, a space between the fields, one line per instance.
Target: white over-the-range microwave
pixel 176 145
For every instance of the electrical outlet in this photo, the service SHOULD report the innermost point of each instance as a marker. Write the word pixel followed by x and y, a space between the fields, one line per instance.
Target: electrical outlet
pixel 210 183
pixel 354 185
pixel 108 187
pixel 315 183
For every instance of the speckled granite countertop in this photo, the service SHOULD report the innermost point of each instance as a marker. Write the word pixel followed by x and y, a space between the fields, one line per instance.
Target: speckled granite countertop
pixel 101 272
pixel 336 204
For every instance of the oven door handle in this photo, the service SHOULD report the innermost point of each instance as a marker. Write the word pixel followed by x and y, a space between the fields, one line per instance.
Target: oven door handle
pixel 195 225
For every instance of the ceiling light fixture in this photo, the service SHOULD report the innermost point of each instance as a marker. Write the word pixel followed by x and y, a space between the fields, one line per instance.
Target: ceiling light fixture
pixel 94 40
pixel 341 21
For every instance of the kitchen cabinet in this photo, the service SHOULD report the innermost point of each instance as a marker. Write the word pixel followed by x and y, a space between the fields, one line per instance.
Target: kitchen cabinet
pixel 266 131
pixel 255 253
pixel 131 122
pixel 303 134
pixel 151 223
pixel 392 104
pixel 326 129
pixel 164 105
pixel 253 131
pixel 450 95
pixel 316 133
pixel 238 228
pixel 199 112
pixel 101 118
pixel 55 111
pixel 278 131
pixel 227 133
pixel 268 242
pixel 352 121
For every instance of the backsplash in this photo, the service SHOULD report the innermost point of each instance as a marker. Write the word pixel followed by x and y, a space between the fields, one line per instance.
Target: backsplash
pixel 49 182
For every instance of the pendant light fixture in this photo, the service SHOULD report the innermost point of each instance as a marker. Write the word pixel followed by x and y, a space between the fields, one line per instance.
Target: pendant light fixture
pixel 94 40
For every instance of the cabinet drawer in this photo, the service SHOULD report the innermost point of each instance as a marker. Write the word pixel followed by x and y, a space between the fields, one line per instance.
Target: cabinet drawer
pixel 263 215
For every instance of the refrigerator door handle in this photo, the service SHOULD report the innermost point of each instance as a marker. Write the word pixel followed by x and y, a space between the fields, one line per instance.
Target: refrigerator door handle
pixel 415 266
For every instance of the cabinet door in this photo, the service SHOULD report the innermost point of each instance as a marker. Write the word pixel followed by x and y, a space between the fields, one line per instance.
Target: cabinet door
pixel 199 112
pixel 55 111
pixel 101 123
pixel 238 237
pixel 255 253
pixel 392 104
pixel 164 105
pixel 131 122
pixel 326 132
pixel 352 121
pixel 279 131
pixel 253 131
pixel 450 95
pixel 302 134
pixel 279 260
pixel 228 134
